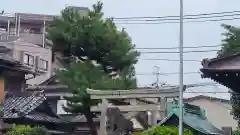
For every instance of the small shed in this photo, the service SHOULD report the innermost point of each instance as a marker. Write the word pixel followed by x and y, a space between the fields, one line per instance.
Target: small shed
pixel 193 119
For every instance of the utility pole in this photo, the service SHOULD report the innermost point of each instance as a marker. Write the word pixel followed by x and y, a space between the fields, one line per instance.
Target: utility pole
pixel 181 87
pixel 157 76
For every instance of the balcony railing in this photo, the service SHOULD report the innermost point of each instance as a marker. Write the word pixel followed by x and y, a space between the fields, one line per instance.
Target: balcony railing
pixel 32 38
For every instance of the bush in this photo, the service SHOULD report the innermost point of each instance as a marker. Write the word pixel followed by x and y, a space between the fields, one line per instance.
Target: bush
pixel 27 130
pixel 236 133
pixel 165 130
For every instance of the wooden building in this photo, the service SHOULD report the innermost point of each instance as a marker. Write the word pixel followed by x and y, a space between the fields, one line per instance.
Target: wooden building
pixel 19 106
pixel 224 70
pixel 32 108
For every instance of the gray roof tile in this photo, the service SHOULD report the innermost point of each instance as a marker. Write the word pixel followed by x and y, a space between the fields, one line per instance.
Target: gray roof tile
pixel 24 105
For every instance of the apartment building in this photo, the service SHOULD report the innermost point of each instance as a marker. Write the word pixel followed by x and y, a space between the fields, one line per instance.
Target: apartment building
pixel 24 33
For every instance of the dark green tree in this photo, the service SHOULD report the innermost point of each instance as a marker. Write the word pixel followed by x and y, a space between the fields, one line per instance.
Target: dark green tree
pixel 83 40
pixel 231 41
pixel 231 45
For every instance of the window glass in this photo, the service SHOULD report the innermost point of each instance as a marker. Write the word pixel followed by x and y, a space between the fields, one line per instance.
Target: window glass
pixel 28 59
pixel 44 64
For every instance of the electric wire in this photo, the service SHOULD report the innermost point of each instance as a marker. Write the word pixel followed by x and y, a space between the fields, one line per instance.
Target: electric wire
pixel 210 20
pixel 186 18
pixel 169 48
pixel 169 73
pixel 176 16
pixel 192 51
pixel 171 60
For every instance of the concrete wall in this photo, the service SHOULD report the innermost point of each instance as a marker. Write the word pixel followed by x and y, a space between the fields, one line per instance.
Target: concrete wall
pixel 34 50
pixel 218 113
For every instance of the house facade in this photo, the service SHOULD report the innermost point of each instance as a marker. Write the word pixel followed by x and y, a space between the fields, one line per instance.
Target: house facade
pixel 24 33
pixel 218 111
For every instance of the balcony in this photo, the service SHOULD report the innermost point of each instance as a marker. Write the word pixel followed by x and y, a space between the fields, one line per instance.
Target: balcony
pixel 32 38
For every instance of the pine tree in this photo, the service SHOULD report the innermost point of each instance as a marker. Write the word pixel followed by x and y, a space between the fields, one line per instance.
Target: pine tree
pixel 83 40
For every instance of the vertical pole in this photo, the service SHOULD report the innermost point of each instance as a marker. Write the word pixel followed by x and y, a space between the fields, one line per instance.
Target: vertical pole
pixel 16 20
pixel 43 33
pixel 18 30
pixel 8 27
pixel 181 70
pixel 103 120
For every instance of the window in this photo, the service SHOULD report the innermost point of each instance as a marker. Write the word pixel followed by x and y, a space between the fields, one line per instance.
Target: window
pixel 43 64
pixel 28 60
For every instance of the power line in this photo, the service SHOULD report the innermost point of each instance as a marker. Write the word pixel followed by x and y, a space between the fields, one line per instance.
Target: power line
pixel 170 73
pixel 210 20
pixel 186 47
pixel 170 60
pixel 176 16
pixel 193 51
pixel 185 18
pixel 213 92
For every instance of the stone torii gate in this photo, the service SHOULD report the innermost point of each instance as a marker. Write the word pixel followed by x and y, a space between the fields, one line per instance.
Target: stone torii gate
pixel 162 94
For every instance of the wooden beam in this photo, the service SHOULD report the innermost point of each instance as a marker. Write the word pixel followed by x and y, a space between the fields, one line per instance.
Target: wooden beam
pixel 126 96
pixel 132 91
pixel 130 108
pixel 133 96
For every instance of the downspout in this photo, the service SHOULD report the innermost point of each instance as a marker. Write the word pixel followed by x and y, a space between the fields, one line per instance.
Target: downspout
pixel 43 33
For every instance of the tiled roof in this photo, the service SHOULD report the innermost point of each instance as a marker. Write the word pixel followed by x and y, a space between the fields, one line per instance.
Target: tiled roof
pixel 194 121
pixel 43 117
pixel 18 104
pixel 207 98
pixel 82 118
pixel 24 105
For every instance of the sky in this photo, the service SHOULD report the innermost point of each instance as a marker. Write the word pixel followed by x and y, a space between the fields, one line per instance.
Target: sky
pixel 154 35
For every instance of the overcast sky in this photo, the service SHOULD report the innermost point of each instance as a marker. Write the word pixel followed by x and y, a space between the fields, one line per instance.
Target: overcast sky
pixel 153 35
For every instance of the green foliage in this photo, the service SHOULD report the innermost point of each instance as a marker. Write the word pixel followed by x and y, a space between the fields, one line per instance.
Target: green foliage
pixel 27 130
pixel 165 130
pixel 81 39
pixel 38 130
pixel 231 41
pixel 231 45
pixel 92 36
pixel 235 133
pixel 83 75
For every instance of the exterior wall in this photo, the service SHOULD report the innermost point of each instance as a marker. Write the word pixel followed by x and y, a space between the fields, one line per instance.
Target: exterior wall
pixel 34 50
pixel 218 113
pixel 30 43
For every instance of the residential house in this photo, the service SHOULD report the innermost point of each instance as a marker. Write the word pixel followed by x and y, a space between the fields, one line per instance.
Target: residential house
pixel 21 107
pixel 24 33
pixel 218 111
pixel 32 108
pixel 12 78
pixel 12 75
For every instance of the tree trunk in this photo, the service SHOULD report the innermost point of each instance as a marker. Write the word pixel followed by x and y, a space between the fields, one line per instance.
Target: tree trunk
pixel 89 116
